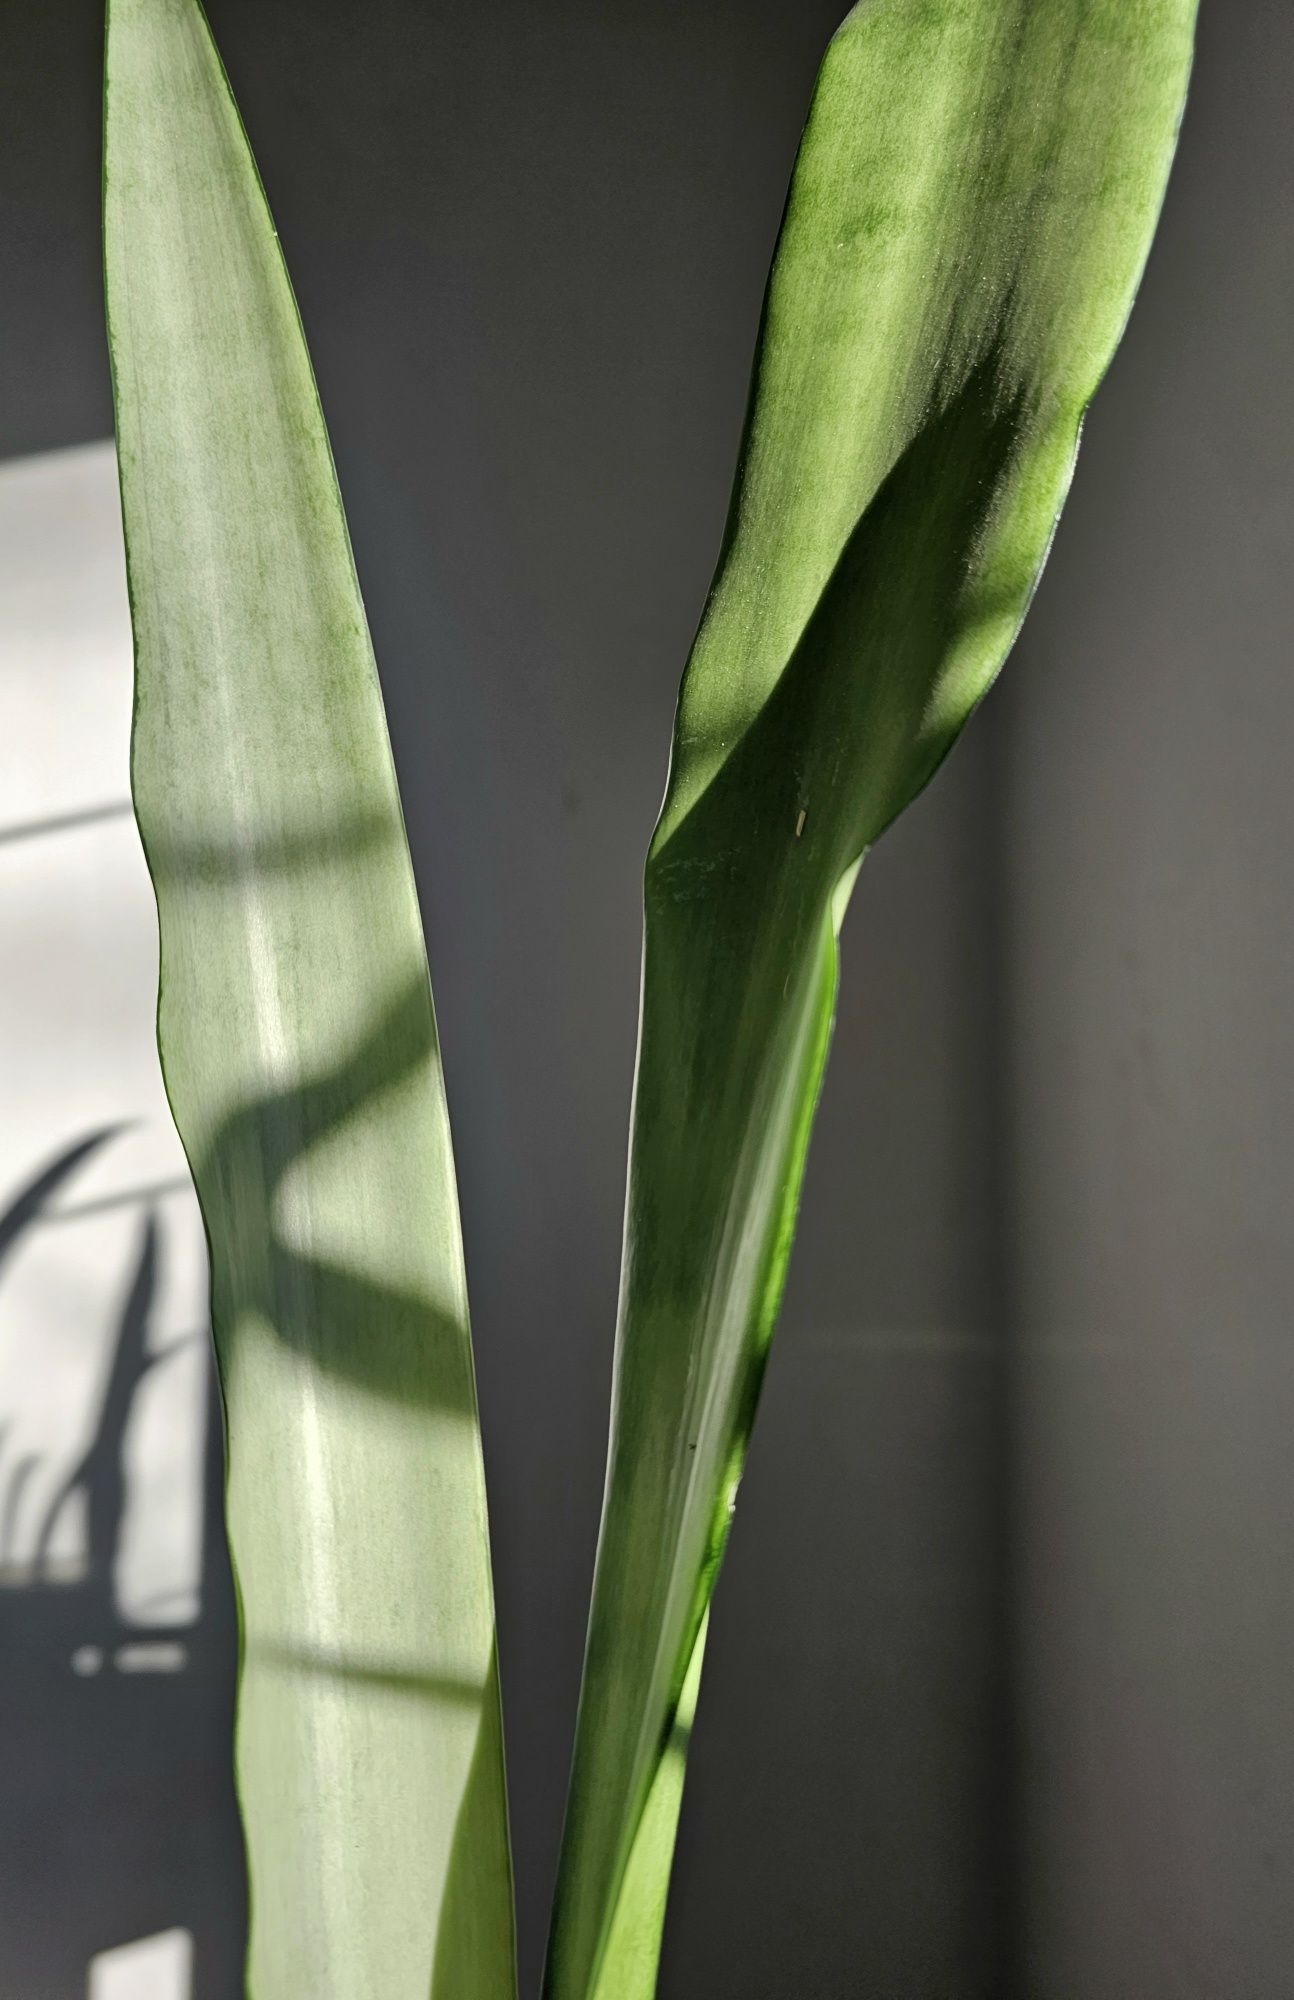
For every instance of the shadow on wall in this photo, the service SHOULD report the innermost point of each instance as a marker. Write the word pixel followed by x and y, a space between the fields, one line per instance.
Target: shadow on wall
pixel 66 1539
pixel 118 1840
pixel 88 1651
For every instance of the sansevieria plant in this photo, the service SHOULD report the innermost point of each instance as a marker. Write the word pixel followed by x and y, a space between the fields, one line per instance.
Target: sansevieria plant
pixel 970 212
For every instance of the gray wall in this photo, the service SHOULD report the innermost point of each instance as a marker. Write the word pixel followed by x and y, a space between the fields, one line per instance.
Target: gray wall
pixel 999 1694
pixel 1150 1000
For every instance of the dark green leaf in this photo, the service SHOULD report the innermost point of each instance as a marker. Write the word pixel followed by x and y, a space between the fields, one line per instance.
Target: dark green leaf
pixel 972 205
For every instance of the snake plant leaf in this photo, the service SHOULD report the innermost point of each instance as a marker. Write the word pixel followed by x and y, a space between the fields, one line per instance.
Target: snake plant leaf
pixel 972 205
pixel 300 1052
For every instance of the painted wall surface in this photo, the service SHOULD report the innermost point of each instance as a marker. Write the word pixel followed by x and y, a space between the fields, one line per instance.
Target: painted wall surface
pixel 997 1701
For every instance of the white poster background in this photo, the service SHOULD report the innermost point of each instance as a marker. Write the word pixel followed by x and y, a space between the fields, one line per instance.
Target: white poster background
pixel 78 975
pixel 156 1968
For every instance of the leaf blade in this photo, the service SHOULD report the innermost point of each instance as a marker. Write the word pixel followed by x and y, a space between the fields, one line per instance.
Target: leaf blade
pixel 971 209
pixel 302 1062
